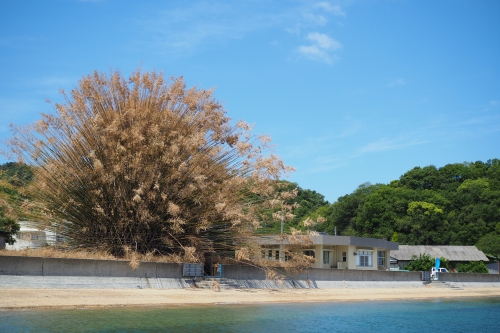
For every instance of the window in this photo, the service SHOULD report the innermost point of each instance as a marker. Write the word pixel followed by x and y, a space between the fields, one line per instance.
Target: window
pixel 277 255
pixel 344 256
pixel 364 259
pixel 381 258
pixel 270 255
pixel 309 253
pixel 326 257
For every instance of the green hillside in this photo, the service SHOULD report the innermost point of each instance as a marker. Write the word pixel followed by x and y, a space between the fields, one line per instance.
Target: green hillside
pixel 458 204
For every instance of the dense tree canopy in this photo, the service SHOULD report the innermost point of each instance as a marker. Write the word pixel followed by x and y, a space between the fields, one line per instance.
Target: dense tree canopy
pixel 458 204
pixel 8 226
pixel 14 203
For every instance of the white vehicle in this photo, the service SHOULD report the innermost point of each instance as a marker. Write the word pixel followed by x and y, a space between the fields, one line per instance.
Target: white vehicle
pixel 440 270
pixel 434 272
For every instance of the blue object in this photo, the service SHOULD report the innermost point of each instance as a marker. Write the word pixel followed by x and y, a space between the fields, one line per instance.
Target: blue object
pixel 438 262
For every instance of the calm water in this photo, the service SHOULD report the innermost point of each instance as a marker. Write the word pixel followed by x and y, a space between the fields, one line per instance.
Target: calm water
pixel 478 315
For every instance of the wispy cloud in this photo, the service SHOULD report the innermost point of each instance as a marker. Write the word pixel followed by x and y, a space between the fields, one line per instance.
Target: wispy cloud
pixel 335 10
pixel 186 27
pixel 321 49
pixel 46 86
pixel 326 163
pixel 365 139
pixel 17 41
pixel 317 19
pixel 396 83
pixel 189 27
pixel 494 103
pixel 51 81
pixel 385 144
pixel 321 162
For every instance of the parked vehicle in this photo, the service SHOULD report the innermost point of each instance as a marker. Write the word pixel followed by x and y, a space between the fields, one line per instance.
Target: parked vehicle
pixel 434 272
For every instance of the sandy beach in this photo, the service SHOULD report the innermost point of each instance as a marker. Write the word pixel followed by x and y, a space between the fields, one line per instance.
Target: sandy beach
pixel 76 298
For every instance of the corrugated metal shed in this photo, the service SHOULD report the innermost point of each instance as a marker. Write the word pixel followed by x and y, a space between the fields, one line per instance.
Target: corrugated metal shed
pixel 452 253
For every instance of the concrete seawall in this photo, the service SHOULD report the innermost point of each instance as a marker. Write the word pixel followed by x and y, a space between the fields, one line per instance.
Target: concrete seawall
pixel 254 277
pixel 37 272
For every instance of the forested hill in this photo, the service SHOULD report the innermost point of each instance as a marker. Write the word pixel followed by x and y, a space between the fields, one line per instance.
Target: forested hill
pixel 13 179
pixel 458 204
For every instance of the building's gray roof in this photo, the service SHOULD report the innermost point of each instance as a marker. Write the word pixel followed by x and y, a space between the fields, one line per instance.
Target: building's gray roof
pixel 452 253
pixel 336 240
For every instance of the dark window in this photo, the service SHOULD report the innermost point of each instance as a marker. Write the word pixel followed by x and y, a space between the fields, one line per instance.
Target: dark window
pixel 309 253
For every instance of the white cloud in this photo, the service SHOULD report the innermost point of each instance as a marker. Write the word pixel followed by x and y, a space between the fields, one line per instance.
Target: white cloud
pixel 317 19
pixel 185 27
pixel 323 41
pixel 321 48
pixel 52 81
pixel 181 28
pixel 385 144
pixel 327 7
pixel 397 83
pixel 494 103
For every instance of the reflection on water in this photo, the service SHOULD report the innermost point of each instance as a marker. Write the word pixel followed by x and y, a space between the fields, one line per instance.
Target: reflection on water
pixel 478 315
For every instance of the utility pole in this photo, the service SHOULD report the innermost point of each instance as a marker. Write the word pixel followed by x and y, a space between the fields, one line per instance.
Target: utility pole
pixel 281 236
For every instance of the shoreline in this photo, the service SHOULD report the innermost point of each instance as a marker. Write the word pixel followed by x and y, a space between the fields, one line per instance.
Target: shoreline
pixel 39 299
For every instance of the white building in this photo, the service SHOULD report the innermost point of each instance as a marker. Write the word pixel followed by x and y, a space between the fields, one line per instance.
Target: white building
pixel 336 252
pixel 30 236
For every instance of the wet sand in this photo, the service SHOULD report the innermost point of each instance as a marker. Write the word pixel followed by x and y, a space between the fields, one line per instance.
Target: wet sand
pixel 77 298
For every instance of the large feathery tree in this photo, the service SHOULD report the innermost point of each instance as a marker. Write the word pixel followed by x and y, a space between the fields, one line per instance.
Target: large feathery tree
pixel 148 165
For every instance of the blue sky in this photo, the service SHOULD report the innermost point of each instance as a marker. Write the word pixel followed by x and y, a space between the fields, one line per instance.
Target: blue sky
pixel 350 91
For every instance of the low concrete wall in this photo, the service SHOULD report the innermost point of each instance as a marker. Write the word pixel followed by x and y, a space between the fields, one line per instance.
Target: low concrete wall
pixel 36 266
pixel 37 272
pixel 240 272
pixel 318 274
pixel 33 272
pixel 21 266
pixel 469 277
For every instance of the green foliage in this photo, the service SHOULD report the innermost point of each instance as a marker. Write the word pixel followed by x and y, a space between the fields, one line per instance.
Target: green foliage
pixel 17 174
pixel 444 263
pixel 490 243
pixel 453 205
pixel 425 262
pixel 9 226
pixel 309 201
pixel 422 207
pixel 15 178
pixel 472 267
pixel 470 185
pixel 309 204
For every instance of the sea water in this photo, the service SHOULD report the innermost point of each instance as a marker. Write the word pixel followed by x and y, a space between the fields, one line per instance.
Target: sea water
pixel 436 315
